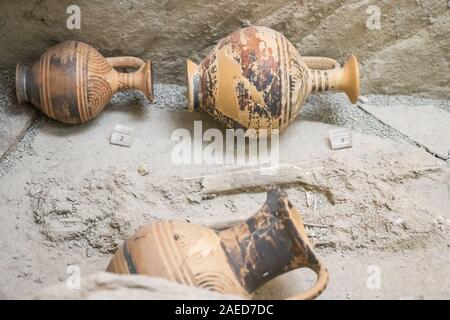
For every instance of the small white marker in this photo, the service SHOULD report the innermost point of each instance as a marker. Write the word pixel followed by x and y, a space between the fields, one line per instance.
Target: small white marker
pixel 122 135
pixel 340 138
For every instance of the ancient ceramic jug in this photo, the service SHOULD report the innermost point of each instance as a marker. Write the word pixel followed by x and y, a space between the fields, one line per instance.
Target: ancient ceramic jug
pixel 255 78
pixel 72 82
pixel 237 260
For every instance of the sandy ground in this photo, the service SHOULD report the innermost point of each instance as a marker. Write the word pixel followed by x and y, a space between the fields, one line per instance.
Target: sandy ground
pixel 68 197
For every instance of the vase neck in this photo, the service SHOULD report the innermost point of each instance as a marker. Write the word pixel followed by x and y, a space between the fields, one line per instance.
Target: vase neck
pixel 326 74
pixel 268 244
pixel 324 80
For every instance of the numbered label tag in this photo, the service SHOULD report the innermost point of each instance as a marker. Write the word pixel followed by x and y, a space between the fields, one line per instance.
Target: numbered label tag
pixel 340 138
pixel 122 136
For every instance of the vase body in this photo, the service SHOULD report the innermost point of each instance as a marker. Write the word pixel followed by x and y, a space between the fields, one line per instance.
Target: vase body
pixel 237 260
pixel 255 78
pixel 72 82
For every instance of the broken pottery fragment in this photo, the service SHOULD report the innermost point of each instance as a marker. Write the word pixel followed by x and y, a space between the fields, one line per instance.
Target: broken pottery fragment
pixel 72 82
pixel 236 260
pixel 255 78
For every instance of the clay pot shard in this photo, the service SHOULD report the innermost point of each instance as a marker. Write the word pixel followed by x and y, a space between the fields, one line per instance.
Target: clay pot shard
pixel 72 82
pixel 255 78
pixel 237 260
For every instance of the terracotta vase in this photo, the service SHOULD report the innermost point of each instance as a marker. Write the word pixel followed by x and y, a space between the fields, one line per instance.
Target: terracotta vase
pixel 72 82
pixel 255 78
pixel 237 260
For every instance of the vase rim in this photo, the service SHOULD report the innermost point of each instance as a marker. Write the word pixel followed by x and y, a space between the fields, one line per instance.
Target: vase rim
pixel 21 84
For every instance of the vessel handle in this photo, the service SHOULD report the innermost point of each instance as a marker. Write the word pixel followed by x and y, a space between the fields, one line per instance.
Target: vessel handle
pixel 321 63
pixel 141 79
pixel 126 62
pixel 318 287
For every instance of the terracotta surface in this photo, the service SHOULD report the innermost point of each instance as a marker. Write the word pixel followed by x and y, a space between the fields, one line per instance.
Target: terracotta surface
pixel 255 78
pixel 72 82
pixel 237 260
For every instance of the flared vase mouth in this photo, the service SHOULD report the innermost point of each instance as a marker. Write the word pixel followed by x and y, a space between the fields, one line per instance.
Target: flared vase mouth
pixel 150 80
pixel 21 83
pixel 288 211
pixel 351 78
pixel 192 82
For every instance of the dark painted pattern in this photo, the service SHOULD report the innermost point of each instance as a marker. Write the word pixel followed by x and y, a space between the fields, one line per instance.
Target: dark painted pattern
pixel 128 259
pixel 267 244
pixel 269 63
pixel 260 67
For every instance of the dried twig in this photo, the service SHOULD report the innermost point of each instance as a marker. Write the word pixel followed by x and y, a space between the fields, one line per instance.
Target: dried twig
pixel 316 225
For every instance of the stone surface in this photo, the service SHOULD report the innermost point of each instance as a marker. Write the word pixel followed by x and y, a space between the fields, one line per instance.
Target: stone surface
pixel 14 121
pixel 407 55
pixel 107 286
pixel 428 126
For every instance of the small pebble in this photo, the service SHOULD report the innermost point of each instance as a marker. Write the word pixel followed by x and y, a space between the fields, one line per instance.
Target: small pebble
pixel 143 170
